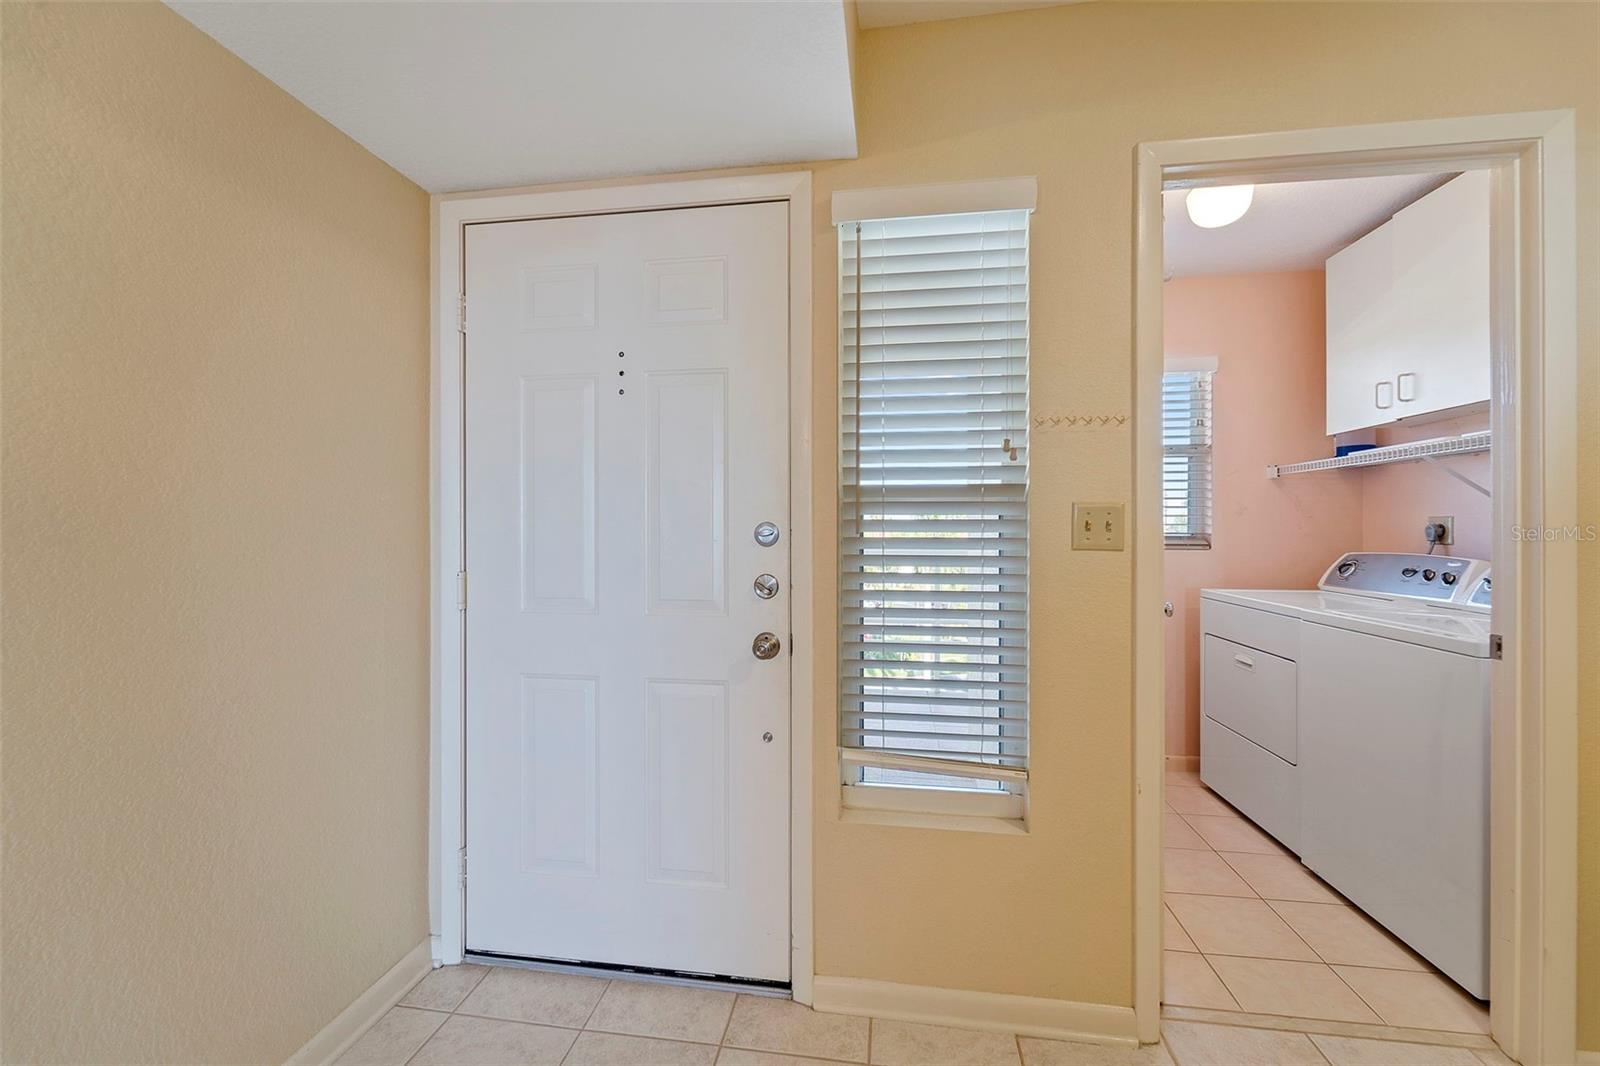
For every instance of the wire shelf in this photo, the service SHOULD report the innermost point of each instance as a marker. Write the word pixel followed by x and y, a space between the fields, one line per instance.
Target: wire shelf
pixel 1435 448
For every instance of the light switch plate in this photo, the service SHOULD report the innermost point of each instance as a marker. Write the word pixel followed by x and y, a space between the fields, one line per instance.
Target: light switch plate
pixel 1097 527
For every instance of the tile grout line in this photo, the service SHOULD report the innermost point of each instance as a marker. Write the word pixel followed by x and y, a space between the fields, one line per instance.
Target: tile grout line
pixel 1318 1047
pixel 587 1018
pixel 1363 999
pixel 473 988
pixel 722 1041
pixel 1197 951
pixel 1297 1023
pixel 425 1041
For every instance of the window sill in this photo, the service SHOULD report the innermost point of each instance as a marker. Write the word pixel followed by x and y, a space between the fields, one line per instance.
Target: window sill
pixel 918 808
pixel 908 820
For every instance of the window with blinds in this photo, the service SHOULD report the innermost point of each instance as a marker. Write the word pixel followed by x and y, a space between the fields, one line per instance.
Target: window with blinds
pixel 1186 458
pixel 933 505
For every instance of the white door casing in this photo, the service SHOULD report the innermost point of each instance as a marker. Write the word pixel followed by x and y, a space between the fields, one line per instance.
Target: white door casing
pixel 627 428
pixel 1534 287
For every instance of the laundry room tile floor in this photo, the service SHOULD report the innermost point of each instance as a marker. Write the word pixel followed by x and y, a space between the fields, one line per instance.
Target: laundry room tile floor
pixel 1288 946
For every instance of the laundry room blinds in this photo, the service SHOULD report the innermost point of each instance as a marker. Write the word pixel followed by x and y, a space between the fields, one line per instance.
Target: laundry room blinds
pixel 933 505
pixel 1186 458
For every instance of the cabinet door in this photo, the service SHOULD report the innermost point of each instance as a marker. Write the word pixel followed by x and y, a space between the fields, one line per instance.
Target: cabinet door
pixel 1361 324
pixel 1441 249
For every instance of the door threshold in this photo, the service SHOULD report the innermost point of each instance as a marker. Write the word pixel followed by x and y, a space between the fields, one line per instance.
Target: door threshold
pixel 716 982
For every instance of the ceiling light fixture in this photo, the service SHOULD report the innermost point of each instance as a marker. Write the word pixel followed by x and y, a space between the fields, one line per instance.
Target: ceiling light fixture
pixel 1218 205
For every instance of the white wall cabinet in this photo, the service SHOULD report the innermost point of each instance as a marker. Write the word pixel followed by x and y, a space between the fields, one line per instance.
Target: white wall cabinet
pixel 1408 311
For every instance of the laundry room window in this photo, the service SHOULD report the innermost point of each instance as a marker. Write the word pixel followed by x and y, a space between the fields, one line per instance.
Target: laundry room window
pixel 1186 454
pixel 933 512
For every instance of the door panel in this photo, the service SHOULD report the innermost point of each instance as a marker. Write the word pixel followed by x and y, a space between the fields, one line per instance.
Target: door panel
pixel 627 428
pixel 688 490
pixel 556 450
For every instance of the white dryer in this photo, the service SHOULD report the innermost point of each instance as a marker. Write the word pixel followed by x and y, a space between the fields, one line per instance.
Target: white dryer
pixel 1352 723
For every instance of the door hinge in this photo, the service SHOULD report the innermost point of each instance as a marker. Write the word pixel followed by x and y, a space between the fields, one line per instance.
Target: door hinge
pixel 463 866
pixel 461 590
pixel 1497 646
pixel 461 313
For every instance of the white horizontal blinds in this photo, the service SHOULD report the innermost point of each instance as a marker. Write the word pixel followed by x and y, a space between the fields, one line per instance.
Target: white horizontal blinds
pixel 933 505
pixel 1186 458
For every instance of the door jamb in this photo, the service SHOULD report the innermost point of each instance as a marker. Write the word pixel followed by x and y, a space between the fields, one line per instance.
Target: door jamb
pixel 449 214
pixel 1534 815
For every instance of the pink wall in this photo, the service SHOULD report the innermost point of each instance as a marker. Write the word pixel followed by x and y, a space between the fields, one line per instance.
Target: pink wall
pixel 1397 500
pixel 1266 332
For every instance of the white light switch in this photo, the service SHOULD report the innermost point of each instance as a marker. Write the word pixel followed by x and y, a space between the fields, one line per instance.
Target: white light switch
pixel 1097 527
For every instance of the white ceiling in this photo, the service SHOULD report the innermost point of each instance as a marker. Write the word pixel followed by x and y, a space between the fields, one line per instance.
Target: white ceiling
pixel 871 14
pixel 1290 226
pixel 472 95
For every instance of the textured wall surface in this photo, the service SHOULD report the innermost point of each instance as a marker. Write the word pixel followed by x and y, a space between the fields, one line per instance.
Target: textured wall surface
pixel 1066 94
pixel 1063 93
pixel 214 528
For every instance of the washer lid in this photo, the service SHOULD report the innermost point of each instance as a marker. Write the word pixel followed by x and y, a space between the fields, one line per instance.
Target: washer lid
pixel 1431 626
pixel 1462 632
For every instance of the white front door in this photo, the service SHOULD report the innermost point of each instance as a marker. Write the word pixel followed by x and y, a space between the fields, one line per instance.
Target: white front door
pixel 627 431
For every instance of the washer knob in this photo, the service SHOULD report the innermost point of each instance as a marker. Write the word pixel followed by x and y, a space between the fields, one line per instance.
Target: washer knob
pixel 1429 575
pixel 1449 577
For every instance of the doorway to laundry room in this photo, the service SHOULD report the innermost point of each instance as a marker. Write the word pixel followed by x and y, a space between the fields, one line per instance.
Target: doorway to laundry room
pixel 1326 411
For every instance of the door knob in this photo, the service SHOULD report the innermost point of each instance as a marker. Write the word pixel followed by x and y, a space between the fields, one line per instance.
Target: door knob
pixel 765 646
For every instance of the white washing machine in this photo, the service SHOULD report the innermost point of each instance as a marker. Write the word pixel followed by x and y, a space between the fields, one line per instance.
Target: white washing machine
pixel 1351 722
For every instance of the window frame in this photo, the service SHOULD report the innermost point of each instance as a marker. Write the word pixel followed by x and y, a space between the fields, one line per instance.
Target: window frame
pixel 1193 540
pixel 997 809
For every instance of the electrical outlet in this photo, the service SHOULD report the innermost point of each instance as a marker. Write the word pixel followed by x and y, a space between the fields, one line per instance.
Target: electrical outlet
pixel 1449 524
pixel 1097 527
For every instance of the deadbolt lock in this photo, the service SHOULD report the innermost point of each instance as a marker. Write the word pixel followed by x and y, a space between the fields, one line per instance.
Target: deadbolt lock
pixel 766 586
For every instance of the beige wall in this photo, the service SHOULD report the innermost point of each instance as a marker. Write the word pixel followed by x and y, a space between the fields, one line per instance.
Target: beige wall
pixel 1062 93
pixel 1267 334
pixel 214 638
pixel 1065 94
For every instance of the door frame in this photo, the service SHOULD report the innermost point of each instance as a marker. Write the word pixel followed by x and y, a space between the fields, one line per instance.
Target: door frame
pixel 1534 804
pixel 451 213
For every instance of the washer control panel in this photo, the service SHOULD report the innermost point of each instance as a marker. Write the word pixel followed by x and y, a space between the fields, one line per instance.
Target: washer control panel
pixel 1430 578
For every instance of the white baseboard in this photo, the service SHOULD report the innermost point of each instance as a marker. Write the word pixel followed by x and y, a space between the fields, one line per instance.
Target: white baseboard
pixel 1058 1019
pixel 358 1017
pixel 1183 762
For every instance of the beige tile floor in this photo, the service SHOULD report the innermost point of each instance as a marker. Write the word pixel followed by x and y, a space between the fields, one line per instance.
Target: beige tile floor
pixel 481 1016
pixel 1264 965
pixel 1249 930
